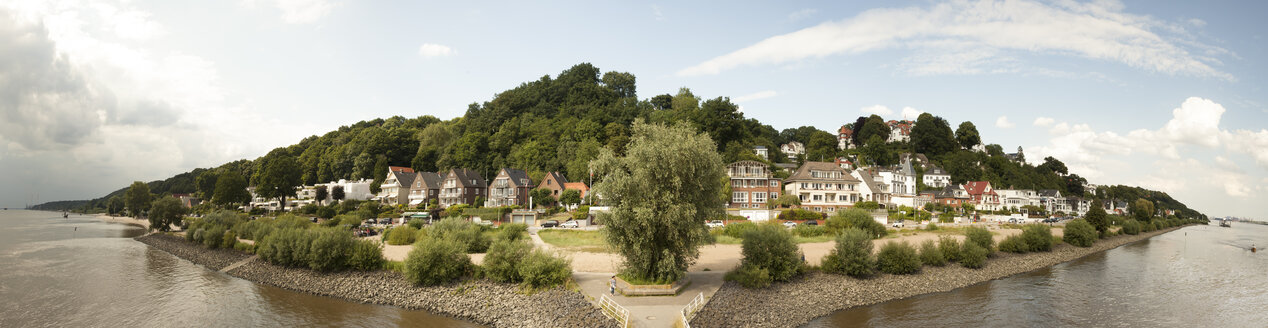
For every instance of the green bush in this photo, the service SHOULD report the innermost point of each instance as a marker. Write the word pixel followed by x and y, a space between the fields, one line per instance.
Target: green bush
pixel 1131 227
pixel 1037 237
pixel 244 247
pixel 931 227
pixel 798 214
pixel 403 235
pixel 981 237
pixel 737 230
pixel 541 270
pixel 852 255
pixel 1150 226
pixel 931 255
pixel 809 230
pixel 512 231
pixel 1079 233
pixel 750 276
pixel 416 223
pixel 898 258
pixel 950 248
pixel 212 237
pixel 326 212
pixel 855 218
pixel 435 261
pixel 367 255
pixel 228 239
pixel 1013 244
pixel 471 235
pixel 501 264
pixel 329 249
pixel 973 256
pixel 771 247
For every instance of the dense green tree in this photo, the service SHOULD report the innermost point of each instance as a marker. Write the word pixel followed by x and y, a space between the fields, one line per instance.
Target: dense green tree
pixel 165 212
pixel 873 126
pixel 115 206
pixel 932 136
pixel 1051 164
pixel 822 147
pixel 878 153
pixel 622 83
pixel 207 183
pixel 570 197
pixel 663 102
pixel 321 194
pixel 661 193
pixel 279 179
pixel 994 150
pixel 1142 209
pixel 231 188
pixel 336 193
pixel 1096 216
pixel 966 135
pixel 138 198
pixel 541 197
pixel 1074 185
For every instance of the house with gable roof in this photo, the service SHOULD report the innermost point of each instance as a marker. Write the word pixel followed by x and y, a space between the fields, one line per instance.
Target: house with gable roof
pixel 823 187
pixel 426 188
pixel 509 188
pixel 462 186
pixel 395 188
pixel 982 195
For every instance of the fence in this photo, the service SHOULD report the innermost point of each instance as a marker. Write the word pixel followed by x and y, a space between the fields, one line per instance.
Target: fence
pixel 614 311
pixel 690 310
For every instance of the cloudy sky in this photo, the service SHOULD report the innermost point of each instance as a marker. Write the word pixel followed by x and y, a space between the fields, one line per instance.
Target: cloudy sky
pixel 96 94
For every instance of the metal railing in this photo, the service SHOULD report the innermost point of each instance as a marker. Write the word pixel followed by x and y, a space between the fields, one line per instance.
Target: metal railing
pixel 614 311
pixel 691 309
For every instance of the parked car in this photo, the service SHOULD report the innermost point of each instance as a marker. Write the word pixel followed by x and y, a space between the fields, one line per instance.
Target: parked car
pixel 811 222
pixel 1051 220
pixel 714 224
pixel 550 224
pixel 789 224
pixel 898 224
pixel 569 224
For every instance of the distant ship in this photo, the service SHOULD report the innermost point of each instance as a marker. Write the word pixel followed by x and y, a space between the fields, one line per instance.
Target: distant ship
pixel 1224 223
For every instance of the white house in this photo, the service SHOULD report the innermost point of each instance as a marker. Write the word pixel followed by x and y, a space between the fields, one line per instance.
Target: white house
pixel 871 188
pixel 936 177
pixel 823 187
pixel 761 152
pixel 1010 198
pixel 792 149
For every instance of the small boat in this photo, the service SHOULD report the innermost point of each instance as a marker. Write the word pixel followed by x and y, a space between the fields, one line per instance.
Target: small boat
pixel 65 215
pixel 1224 223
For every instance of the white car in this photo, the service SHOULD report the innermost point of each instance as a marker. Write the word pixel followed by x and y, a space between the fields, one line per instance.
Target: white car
pixel 714 224
pixel 568 224
pixel 898 224
pixel 790 224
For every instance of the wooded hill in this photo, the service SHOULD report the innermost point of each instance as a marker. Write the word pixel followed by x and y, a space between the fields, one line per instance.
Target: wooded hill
pixel 561 123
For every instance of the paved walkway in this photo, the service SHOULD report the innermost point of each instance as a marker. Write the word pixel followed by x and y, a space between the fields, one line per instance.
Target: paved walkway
pixel 651 311
pixel 240 263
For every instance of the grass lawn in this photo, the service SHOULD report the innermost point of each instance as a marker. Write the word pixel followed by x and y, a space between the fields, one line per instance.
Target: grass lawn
pixel 576 240
pixel 728 240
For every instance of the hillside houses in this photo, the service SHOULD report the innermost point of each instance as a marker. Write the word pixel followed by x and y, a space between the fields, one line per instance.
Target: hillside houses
pixel 752 184
pixel 823 187
pixel 462 186
pixel 509 188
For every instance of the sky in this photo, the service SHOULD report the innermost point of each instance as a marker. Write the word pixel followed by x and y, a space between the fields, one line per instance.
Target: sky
pixel 1165 95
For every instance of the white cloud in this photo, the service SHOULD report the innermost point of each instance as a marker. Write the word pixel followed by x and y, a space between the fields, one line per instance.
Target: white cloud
pixel 659 15
pixel 1044 121
pixel 878 110
pixel 1197 22
pixel 430 50
pixel 1003 123
pixel 802 14
pixel 909 113
pixel 969 37
pixel 755 96
pixel 304 11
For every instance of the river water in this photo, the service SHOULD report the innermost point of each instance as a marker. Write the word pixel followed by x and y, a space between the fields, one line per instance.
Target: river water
pixel 1198 276
pixel 81 272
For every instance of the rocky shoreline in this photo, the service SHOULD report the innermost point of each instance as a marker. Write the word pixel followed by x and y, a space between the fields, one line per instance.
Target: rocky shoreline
pixel 479 301
pixel 818 294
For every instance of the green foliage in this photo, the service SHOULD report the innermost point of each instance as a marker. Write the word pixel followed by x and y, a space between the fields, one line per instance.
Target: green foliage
pixel 541 270
pixel 979 236
pixel 852 254
pixel 931 255
pixel 951 248
pixel 1142 209
pixel 512 231
pixel 542 197
pixel 403 235
pixel 867 205
pixel 966 135
pixel 809 230
pixel 320 249
pixel 855 218
pixel 771 247
pixel 330 249
pixel 798 214
pixel 898 258
pixel 231 188
pixel 932 136
pixel 738 229
pixel 501 264
pixel 1014 244
pixel 1097 217
pixel 570 197
pixel 582 213
pixel 165 212
pixel 750 276
pixel 279 177
pixel 471 235
pixel 326 212
pixel 1131 227
pixel 931 227
pixel 416 223
pixel 138 198
pixel 973 256
pixel 367 255
pixel 1037 237
pixel 1079 233
pixel 435 261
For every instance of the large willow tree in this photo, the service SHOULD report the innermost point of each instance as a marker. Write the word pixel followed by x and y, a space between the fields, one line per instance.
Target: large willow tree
pixel 661 193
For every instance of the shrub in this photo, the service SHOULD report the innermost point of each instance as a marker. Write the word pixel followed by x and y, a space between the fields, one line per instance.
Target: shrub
pixel 750 276
pixel 798 214
pixel 541 270
pixel 400 235
pixel 329 249
pixel 470 235
pixel 932 227
pixel 1079 233
pixel 501 264
pixel 931 255
pixel 771 247
pixel 979 236
pixel 326 212
pixel 898 258
pixel 852 254
pixel 856 218
pixel 367 255
pixel 212 237
pixel 280 246
pixel 737 230
pixel 1013 244
pixel 809 230
pixel 512 231
pixel 1037 237
pixel 1131 227
pixel 435 261
pixel 244 247
pixel 228 239
pixel 973 256
pixel 416 223
pixel 1149 226
pixel 950 248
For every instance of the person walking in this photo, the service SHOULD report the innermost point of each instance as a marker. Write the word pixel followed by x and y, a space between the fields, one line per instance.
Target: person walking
pixel 612 285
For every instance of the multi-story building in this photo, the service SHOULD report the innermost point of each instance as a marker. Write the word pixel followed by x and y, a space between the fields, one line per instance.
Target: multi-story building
pixel 845 138
pixel 751 184
pixel 425 189
pixel 395 188
pixel 954 195
pixel 936 177
pixel 792 149
pixel 900 131
pixel 823 187
pixel 509 188
pixel 553 181
pixel 1017 199
pixel 871 188
pixel 762 152
pixel 1050 200
pixel 462 186
pixel 982 195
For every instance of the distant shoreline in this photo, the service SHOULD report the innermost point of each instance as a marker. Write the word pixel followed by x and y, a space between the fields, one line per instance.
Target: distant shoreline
pixel 123 220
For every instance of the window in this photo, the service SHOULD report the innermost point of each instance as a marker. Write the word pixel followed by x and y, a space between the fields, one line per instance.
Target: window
pixel 759 197
pixel 739 197
pixel 817 198
pixel 774 195
pixel 774 183
pixel 843 198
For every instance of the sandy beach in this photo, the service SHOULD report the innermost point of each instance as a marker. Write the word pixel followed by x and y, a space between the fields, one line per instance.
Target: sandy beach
pixel 124 220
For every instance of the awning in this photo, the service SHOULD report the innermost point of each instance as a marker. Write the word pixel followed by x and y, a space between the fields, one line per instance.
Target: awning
pixel 415 201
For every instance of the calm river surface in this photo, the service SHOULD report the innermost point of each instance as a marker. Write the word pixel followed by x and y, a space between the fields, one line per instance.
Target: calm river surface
pixel 81 272
pixel 1199 276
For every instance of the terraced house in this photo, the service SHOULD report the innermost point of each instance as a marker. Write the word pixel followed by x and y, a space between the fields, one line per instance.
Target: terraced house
pixel 426 188
pixel 823 187
pixel 509 188
pixel 462 186
pixel 395 188
pixel 751 184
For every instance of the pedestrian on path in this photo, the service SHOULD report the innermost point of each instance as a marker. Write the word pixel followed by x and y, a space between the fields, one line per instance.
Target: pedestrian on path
pixel 612 285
